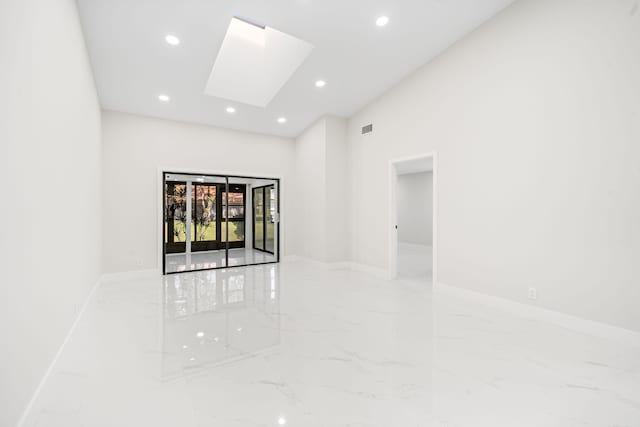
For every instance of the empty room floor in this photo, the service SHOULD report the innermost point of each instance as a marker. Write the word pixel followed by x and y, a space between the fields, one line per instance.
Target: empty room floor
pixel 297 345
pixel 415 261
pixel 214 259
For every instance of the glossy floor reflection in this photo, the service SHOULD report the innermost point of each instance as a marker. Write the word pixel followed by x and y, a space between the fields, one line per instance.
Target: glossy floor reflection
pixel 295 344
pixel 215 259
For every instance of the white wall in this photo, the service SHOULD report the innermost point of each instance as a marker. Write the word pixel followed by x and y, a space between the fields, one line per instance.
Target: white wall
pixel 536 121
pixel 50 238
pixel 310 195
pixel 337 194
pixel 322 199
pixel 415 208
pixel 135 147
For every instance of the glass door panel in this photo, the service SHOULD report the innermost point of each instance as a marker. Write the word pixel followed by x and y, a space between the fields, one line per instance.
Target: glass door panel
pixel 204 214
pixel 265 211
pixel 175 217
pixel 271 207
pixel 258 218
pixel 236 231
pixel 233 206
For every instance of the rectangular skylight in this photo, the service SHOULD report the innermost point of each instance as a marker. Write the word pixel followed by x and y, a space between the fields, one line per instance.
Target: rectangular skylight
pixel 254 62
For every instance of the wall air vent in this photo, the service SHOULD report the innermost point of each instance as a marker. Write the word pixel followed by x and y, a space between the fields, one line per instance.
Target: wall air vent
pixel 367 129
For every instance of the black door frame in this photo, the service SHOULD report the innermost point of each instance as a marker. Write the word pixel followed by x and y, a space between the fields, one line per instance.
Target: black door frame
pixel 226 186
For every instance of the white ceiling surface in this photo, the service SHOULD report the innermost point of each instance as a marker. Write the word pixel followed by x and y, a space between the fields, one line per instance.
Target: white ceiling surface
pixel 359 61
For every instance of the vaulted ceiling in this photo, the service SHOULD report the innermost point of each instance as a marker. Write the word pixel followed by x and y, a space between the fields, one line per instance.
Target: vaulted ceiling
pixel 359 60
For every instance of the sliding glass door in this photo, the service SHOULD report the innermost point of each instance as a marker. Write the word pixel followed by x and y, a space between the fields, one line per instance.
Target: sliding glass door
pixel 205 221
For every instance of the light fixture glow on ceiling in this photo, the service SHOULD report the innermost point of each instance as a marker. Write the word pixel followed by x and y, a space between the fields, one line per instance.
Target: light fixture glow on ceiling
pixel 321 83
pixel 200 334
pixel 382 21
pixel 282 120
pixel 282 421
pixel 231 110
pixel 254 62
pixel 164 98
pixel 172 40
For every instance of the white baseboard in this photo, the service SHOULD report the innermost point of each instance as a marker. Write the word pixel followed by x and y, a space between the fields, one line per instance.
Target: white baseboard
pixel 49 371
pixel 574 323
pixel 130 275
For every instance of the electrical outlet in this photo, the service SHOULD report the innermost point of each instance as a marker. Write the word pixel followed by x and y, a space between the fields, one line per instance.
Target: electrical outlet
pixel 532 294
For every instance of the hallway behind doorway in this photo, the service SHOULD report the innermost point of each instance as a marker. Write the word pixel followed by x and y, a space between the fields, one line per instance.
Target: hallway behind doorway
pixel 415 219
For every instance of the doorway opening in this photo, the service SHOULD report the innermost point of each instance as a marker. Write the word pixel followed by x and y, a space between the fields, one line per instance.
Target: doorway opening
pixel 412 219
pixel 215 221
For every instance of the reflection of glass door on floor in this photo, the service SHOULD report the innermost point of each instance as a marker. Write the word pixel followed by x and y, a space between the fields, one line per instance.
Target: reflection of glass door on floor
pixel 264 218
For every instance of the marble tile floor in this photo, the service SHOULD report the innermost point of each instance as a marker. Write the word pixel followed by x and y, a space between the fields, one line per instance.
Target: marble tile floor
pixel 215 259
pixel 297 345
pixel 414 261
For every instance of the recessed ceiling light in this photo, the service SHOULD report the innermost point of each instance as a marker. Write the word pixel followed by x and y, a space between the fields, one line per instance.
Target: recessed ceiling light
pixel 282 120
pixel 200 334
pixel 164 98
pixel 282 421
pixel 321 83
pixel 382 21
pixel 231 110
pixel 172 40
